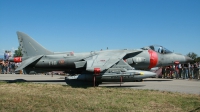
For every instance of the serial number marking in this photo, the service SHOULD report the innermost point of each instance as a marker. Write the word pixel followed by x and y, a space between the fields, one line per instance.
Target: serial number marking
pixel 52 63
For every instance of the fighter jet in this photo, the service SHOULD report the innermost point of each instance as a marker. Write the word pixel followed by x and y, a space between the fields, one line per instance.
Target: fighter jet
pixel 106 65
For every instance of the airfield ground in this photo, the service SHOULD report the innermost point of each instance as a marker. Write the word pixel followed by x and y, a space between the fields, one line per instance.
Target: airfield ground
pixel 172 85
pixel 55 95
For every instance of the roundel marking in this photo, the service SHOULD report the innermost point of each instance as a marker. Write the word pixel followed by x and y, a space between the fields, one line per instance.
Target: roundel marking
pixel 61 61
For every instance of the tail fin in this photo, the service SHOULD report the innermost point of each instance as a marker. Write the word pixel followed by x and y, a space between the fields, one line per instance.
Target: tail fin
pixel 30 47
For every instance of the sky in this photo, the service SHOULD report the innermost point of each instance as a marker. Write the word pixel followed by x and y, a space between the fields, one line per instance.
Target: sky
pixel 92 25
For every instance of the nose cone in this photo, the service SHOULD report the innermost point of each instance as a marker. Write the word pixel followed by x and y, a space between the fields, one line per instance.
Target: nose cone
pixel 188 59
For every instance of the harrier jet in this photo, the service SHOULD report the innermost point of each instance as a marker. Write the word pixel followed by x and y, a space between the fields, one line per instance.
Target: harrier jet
pixel 107 65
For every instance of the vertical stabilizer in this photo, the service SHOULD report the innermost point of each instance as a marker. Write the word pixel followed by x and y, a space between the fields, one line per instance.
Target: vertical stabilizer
pixel 30 47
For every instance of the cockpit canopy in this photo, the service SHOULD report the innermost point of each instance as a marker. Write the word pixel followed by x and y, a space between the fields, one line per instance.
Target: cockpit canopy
pixel 157 48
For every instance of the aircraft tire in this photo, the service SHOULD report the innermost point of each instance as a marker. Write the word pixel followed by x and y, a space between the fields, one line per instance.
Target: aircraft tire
pixel 97 83
pixel 139 80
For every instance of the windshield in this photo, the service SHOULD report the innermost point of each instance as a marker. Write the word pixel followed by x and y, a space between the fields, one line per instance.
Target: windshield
pixel 158 48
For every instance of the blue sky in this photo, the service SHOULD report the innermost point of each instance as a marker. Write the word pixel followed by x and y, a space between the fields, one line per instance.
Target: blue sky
pixel 91 25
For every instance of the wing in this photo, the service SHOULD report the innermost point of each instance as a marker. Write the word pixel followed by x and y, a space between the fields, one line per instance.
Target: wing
pixel 105 60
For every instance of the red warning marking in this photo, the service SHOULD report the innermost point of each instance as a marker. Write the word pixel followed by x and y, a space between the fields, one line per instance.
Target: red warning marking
pixel 97 71
pixel 176 62
pixel 17 59
pixel 153 59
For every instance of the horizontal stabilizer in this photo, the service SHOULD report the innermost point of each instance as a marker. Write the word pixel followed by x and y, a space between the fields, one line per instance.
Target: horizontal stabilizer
pixel 80 64
pixel 28 61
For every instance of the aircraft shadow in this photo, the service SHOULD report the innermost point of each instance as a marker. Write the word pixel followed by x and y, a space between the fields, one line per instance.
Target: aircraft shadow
pixel 77 84
pixel 84 84
pixel 22 80
pixel 123 86
pixel 72 83
pixel 157 80
pixel 113 84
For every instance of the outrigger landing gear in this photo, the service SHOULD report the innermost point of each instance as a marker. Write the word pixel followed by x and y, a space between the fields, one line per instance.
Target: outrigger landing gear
pixel 94 80
pixel 96 83
pixel 96 72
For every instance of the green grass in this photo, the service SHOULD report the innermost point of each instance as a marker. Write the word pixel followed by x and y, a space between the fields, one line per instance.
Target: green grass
pixel 23 97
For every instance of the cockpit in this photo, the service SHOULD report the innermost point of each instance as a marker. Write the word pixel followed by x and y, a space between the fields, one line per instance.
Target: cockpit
pixel 157 48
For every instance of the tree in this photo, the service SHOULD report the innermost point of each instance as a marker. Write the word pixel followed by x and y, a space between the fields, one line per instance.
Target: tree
pixel 18 53
pixel 192 55
pixel 197 59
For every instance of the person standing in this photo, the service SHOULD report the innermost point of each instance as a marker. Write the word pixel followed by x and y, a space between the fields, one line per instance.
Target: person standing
pixel 5 55
pixel 2 67
pixel 189 71
pixel 12 68
pixel 168 71
pixel 195 71
pixel 171 70
pixel 176 71
pixel 179 70
pixel 182 74
pixel 192 71
pixel 6 67
pixel 164 71
pixel 186 71
pixel 198 74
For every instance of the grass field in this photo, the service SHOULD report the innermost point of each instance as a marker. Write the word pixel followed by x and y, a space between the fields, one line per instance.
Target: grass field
pixel 25 97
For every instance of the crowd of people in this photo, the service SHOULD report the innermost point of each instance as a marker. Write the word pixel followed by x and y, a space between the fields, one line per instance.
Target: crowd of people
pixel 7 67
pixel 183 71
